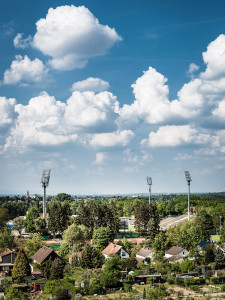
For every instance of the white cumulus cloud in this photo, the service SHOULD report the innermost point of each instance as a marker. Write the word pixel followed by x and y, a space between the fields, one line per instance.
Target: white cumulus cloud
pixel 70 35
pixel 7 113
pixel 214 58
pixel 171 136
pixel 112 139
pixel 24 70
pixel 40 123
pixel 87 109
pixel 90 84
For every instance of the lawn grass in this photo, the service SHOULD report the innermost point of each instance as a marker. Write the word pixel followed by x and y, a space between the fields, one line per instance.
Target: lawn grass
pixel 215 238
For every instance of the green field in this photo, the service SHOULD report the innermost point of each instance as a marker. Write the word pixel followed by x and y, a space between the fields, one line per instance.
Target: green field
pixel 215 238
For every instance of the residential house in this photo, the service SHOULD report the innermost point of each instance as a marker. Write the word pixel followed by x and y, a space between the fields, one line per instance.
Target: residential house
pixel 144 254
pixel 115 249
pixel 44 254
pixel 7 259
pixel 174 258
pixel 178 251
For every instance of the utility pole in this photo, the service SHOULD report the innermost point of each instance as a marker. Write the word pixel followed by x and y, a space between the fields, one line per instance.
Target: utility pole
pixel 149 182
pixel 45 181
pixel 188 178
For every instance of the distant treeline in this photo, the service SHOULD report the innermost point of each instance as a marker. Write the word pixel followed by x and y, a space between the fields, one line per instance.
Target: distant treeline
pixel 171 204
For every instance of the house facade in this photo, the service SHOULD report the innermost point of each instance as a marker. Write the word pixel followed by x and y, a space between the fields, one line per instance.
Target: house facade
pixel 115 249
pixel 176 251
pixel 144 254
pixel 7 260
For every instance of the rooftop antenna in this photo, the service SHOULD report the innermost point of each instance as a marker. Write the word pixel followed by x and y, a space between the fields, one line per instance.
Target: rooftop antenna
pixel 149 182
pixel 45 181
pixel 188 178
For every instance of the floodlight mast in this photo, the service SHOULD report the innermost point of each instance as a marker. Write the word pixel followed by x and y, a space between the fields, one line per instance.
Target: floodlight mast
pixel 149 182
pixel 188 178
pixel 45 181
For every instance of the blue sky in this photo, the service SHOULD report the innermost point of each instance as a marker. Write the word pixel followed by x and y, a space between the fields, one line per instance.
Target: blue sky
pixel 106 93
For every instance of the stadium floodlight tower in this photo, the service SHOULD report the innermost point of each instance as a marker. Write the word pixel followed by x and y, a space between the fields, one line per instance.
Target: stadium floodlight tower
pixel 188 178
pixel 45 181
pixel 149 182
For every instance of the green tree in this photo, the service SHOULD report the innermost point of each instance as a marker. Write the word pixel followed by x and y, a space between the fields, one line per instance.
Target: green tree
pixel 219 258
pixel 141 219
pixel 127 245
pixel 21 266
pixel 129 264
pixel 204 220
pixel 18 224
pixel 4 217
pixel 209 254
pixel 94 286
pixel 6 239
pixel 153 223
pixel 34 243
pixel 76 234
pixel 102 237
pixel 62 197
pixel 113 263
pixel 56 270
pixel 29 222
pixel 187 265
pixel 55 288
pixel 91 257
pixel 64 249
pixel 222 234
pixel 40 225
pixel 59 217
pixel 108 279
pixel 12 293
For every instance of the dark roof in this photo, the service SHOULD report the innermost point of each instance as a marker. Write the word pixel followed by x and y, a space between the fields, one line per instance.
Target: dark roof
pixel 174 250
pixel 143 252
pixel 111 249
pixel 42 254
pixel 203 244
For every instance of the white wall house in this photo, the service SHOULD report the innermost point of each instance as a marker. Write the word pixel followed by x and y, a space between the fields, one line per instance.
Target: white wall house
pixel 115 249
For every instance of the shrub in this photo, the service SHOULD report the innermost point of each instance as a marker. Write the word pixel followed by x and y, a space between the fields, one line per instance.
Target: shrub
pixel 170 280
pixel 214 280
pixel 223 288
pixel 179 281
pixel 127 287
pixel 189 281
pixel 195 287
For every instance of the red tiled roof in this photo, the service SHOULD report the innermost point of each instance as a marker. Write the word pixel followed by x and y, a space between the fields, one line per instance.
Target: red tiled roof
pixel 139 259
pixel 42 254
pixel 111 249
pixel 6 252
pixel 143 252
pixel 174 250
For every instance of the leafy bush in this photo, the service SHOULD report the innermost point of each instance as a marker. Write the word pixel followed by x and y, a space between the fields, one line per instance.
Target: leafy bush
pixel 170 280
pixel 223 288
pixel 127 287
pixel 179 281
pixel 195 287
pixel 214 280
pixel 189 281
